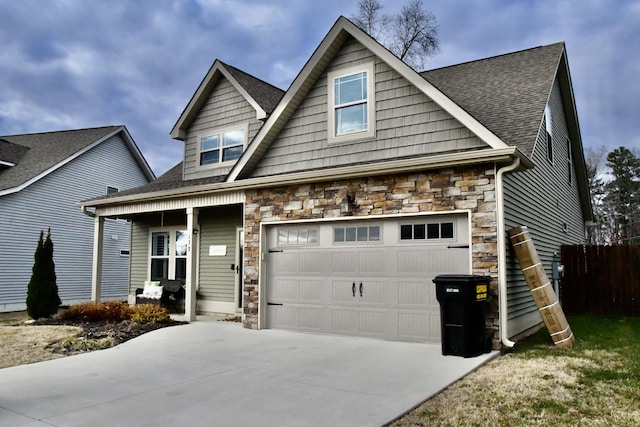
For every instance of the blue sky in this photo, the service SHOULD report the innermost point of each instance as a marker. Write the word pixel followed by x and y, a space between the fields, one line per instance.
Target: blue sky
pixel 83 63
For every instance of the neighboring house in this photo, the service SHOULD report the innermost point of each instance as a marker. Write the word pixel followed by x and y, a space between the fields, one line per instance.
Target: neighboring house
pixel 331 207
pixel 42 178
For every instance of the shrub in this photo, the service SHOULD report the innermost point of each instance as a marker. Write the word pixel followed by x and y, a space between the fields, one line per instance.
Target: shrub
pixel 117 311
pixel 148 313
pixel 42 290
pixel 114 311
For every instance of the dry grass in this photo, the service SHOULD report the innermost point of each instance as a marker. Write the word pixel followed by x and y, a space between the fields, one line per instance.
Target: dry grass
pixel 22 345
pixel 594 384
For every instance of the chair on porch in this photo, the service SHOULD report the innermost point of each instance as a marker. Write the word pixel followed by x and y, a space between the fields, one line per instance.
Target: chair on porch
pixel 163 292
pixel 173 291
pixel 150 294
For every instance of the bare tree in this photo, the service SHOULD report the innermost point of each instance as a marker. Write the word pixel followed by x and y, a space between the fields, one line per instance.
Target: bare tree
pixel 597 233
pixel 370 19
pixel 411 35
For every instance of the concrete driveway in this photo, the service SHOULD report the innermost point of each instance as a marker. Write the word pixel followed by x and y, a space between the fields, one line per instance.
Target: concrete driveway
pixel 216 373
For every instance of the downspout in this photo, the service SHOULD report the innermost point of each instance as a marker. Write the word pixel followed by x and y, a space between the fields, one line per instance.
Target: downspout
pixel 502 253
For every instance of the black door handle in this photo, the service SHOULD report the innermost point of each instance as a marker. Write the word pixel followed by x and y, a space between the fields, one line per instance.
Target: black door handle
pixel 360 289
pixel 353 288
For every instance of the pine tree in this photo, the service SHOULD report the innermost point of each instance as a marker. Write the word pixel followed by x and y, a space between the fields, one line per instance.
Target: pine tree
pixel 42 291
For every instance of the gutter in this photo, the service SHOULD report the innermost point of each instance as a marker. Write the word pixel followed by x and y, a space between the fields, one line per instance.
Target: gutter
pixel 502 253
pixel 87 212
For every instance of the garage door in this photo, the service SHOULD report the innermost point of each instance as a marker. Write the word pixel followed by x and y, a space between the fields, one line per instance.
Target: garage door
pixel 364 278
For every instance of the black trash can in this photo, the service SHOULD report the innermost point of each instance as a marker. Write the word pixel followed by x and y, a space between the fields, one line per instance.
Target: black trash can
pixel 462 301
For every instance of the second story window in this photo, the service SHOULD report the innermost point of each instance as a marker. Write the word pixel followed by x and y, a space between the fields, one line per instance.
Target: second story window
pixel 351 103
pixel 222 146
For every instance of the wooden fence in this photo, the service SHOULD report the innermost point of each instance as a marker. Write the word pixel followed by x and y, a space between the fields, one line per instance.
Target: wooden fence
pixel 601 280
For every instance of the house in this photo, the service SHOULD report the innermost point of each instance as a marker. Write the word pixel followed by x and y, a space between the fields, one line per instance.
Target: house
pixel 331 207
pixel 42 177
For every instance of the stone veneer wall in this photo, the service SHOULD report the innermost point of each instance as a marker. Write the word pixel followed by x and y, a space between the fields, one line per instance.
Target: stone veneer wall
pixel 443 190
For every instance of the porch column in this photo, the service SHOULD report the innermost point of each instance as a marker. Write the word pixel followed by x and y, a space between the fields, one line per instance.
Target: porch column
pixel 96 272
pixel 192 253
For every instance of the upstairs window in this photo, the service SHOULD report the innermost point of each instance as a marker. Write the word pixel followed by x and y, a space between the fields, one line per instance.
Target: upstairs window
pixel 547 119
pixel 222 146
pixel 351 103
pixel 111 190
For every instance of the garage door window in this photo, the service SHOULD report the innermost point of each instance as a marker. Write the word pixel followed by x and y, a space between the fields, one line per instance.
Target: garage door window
pixel 427 231
pixel 356 234
pixel 298 236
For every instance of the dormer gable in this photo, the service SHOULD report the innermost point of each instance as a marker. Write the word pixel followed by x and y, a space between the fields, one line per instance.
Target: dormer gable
pixel 224 114
pixel 261 95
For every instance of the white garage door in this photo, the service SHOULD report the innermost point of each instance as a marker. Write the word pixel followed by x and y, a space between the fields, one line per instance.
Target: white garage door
pixel 365 278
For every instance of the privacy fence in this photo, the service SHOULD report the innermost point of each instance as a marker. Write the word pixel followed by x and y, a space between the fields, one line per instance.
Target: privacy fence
pixel 601 280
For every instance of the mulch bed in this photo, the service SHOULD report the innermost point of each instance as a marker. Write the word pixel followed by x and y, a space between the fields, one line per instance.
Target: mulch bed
pixel 119 332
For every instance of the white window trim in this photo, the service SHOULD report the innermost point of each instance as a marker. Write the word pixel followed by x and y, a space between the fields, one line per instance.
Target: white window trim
pixel 171 273
pixel 569 162
pixel 220 131
pixel 549 135
pixel 369 68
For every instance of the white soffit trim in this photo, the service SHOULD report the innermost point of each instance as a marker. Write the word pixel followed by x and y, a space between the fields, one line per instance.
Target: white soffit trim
pixel 343 24
pixel 62 163
pixel 199 201
pixel 345 172
pixel 218 67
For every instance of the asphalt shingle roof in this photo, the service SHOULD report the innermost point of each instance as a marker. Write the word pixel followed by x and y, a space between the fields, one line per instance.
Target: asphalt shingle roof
pixel 170 180
pixel 10 152
pixel 37 152
pixel 506 93
pixel 265 94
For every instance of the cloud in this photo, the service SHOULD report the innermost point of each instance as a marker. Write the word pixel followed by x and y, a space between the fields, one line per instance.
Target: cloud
pixel 71 64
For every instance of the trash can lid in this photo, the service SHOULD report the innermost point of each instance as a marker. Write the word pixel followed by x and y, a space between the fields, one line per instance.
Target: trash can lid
pixel 461 278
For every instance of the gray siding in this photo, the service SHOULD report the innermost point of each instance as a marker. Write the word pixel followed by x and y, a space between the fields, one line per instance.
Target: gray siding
pixel 408 123
pixel 218 227
pixel 225 107
pixel 543 200
pixel 51 203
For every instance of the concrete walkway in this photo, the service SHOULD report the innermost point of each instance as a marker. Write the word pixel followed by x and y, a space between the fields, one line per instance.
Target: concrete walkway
pixel 217 373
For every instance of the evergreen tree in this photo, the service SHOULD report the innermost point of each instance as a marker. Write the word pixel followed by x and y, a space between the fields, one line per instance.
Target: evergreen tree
pixel 42 291
pixel 623 195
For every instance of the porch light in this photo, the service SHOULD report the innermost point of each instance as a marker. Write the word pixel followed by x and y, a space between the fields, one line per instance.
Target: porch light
pixel 348 204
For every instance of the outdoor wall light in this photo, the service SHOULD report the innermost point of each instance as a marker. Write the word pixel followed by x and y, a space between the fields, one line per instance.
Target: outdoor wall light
pixel 348 204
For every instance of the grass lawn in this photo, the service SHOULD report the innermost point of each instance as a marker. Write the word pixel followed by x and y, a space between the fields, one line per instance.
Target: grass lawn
pixel 597 383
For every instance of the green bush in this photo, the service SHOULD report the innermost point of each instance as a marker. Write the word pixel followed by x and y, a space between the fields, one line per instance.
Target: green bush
pixel 42 290
pixel 147 313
